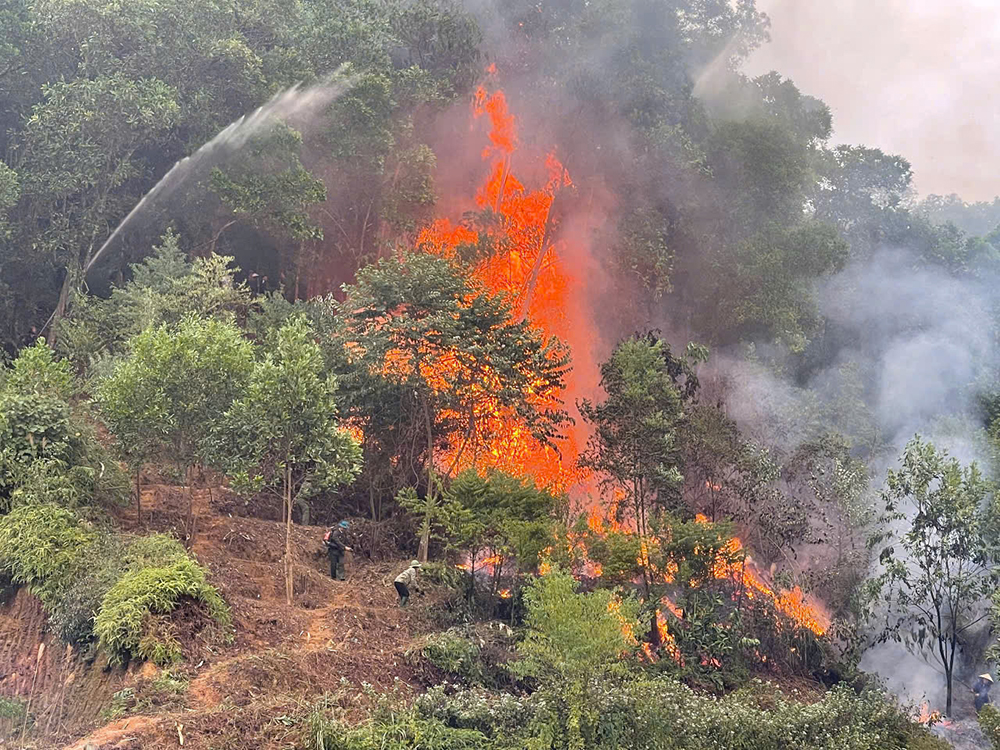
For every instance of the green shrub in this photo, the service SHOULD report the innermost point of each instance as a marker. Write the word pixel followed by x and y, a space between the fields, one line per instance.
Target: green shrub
pixel 442 574
pixel 452 653
pixel 165 691
pixel 41 547
pixel 99 567
pixel 50 455
pixel 12 717
pixel 662 713
pixel 159 643
pixel 405 729
pixel 989 722
pixel 155 550
pixel 12 709
pixel 158 577
pixel 494 715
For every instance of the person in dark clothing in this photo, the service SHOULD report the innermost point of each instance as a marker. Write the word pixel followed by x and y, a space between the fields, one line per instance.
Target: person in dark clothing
pixel 336 547
pixel 982 690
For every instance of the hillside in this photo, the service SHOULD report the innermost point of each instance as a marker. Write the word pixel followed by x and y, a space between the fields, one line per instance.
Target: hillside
pixel 688 413
pixel 280 659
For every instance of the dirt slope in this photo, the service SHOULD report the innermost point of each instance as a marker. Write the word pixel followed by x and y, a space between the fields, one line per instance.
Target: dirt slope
pixel 278 661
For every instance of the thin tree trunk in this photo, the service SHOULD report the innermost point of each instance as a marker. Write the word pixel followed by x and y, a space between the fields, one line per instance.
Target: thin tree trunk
pixel 138 495
pixel 189 480
pixel 947 705
pixel 537 267
pixel 289 581
pixel 425 531
pixel 60 309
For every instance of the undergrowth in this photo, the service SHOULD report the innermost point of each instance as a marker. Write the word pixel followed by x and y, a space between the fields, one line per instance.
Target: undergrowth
pixel 40 546
pixel 165 691
pixel 390 729
pixel 158 577
pixel 659 712
pixel 94 586
pixel 989 722
pixel 13 713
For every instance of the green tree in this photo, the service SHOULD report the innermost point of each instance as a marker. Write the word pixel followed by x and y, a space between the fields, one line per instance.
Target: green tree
pixel 941 566
pixel 48 452
pixel 76 151
pixel 764 283
pixel 504 517
pixel 269 188
pixel 634 449
pixel 452 354
pixel 163 289
pixel 175 383
pixel 574 642
pixel 283 432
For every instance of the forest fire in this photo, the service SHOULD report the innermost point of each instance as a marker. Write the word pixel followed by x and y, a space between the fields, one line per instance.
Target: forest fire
pixel 522 262
pixel 792 603
pixel 516 251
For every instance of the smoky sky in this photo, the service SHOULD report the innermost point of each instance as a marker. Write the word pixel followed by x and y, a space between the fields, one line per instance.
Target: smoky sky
pixel 914 77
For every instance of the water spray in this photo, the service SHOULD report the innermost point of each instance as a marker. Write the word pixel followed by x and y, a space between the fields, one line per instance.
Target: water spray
pixel 294 101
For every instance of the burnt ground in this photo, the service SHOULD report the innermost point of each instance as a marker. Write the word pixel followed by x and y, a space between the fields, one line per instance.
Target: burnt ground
pixel 257 681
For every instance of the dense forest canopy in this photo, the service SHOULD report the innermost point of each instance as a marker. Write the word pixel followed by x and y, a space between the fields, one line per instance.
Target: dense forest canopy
pixel 549 291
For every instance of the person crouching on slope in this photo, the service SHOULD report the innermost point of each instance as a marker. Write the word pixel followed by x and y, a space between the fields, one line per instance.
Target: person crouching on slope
pixel 405 581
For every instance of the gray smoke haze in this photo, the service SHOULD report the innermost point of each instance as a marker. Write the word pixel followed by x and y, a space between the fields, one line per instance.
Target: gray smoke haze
pixel 924 330
pixel 912 77
pixel 916 339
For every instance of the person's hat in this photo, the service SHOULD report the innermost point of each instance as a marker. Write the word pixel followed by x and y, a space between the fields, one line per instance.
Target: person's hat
pixel 344 524
pixel 415 564
pixel 986 677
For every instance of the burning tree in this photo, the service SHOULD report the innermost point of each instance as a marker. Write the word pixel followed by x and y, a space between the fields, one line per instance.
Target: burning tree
pixel 502 517
pixel 939 552
pixel 634 450
pixel 457 356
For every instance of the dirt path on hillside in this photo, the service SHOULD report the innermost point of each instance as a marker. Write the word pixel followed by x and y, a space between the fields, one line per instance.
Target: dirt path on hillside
pixel 281 658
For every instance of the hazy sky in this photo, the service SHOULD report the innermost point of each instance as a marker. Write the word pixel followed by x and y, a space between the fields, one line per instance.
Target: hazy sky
pixel 920 78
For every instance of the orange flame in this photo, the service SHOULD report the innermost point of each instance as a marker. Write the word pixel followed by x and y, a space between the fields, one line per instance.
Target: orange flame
pixel 526 267
pixel 790 603
pixel 628 629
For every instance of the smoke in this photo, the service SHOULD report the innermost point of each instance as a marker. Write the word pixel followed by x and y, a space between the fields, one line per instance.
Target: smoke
pixel 918 343
pixel 923 332
pixel 917 340
pixel 906 76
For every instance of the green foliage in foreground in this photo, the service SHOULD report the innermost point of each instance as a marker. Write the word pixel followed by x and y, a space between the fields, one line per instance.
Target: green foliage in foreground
pixel 76 572
pixel 127 625
pixel 49 453
pixel 989 722
pixel 97 570
pixel 391 730
pixel 638 713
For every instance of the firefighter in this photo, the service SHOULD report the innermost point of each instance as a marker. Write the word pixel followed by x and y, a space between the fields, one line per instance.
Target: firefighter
pixel 336 546
pixel 405 581
pixel 982 690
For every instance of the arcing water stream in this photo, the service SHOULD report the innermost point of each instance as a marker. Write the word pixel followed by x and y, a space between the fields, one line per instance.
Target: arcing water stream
pixel 295 101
